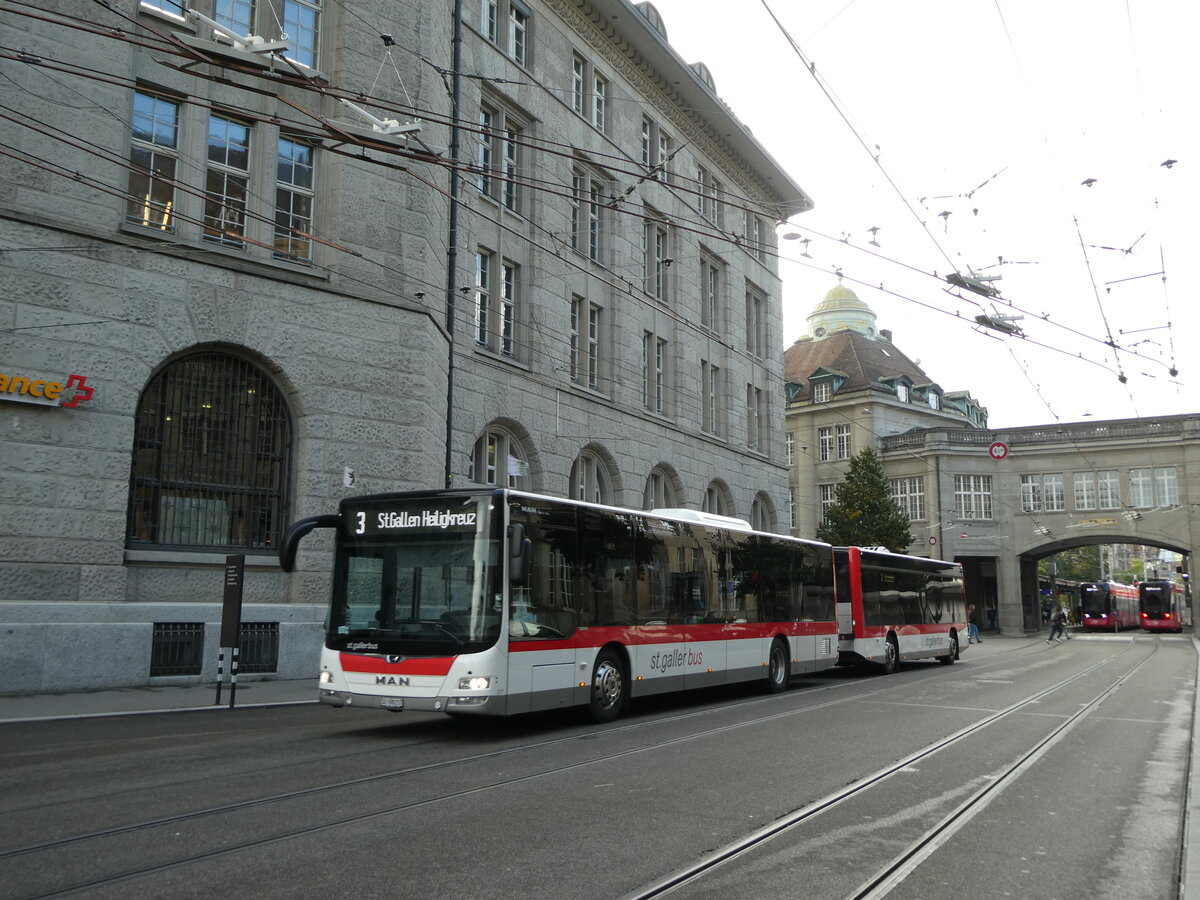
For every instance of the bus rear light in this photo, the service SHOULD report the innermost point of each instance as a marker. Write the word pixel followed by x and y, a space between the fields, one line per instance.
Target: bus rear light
pixel 474 683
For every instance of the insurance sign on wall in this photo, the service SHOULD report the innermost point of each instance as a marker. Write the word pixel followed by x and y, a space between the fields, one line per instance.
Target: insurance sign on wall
pixel 55 390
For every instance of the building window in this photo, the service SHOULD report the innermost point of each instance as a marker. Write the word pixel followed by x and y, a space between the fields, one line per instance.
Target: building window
pixel 825 443
pixel 655 255
pixel 902 393
pixel 513 41
pixel 589 479
pixel 518 33
pixel 712 280
pixel 585 343
pixel 710 397
pixel 1108 489
pixel 789 443
pixel 485 152
pixel 756 323
pixel 498 156
pixel 1085 490
pixel 828 498
pixel 1054 494
pixel 909 495
pixel 1166 486
pixel 822 391
pixel 660 491
pixel 489 20
pixel 509 193
pixel 760 514
pixel 657 148
pixel 153 156
pixel 170 7
pixel 578 84
pixel 211 457
pixel 654 373
pixel 299 20
pixel 1141 489
pixel 935 400
pixel 483 277
pixel 754 237
pixel 294 201
pixel 845 448
pixel 498 460
pixel 973 496
pixel 508 308
pixel 715 500
pixel 599 101
pixel 587 196
pixel 756 418
pixel 708 193
pixel 226 181
pixel 1031 493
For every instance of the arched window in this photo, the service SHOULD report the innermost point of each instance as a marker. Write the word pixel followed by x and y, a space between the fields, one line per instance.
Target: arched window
pixel 499 460
pixel 211 457
pixel 660 490
pixel 716 500
pixel 589 479
pixel 761 516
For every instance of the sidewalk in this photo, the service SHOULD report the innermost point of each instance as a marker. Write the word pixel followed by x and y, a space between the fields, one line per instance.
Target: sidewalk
pixel 157 699
pixel 137 701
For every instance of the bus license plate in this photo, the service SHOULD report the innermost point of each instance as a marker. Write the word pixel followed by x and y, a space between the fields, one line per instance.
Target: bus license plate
pixel 392 703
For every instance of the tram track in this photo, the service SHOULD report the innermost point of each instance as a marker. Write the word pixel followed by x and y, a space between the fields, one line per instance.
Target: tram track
pixel 72 842
pixel 891 874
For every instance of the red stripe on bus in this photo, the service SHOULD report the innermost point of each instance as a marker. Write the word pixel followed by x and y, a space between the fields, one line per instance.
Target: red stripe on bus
pixel 438 665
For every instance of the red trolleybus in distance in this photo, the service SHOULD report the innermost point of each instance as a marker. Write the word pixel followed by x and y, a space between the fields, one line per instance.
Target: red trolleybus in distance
pixel 495 602
pixel 1107 605
pixel 1162 605
pixel 893 607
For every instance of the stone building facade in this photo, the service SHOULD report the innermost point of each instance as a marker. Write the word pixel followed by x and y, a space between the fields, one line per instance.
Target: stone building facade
pixel 245 275
pixel 995 500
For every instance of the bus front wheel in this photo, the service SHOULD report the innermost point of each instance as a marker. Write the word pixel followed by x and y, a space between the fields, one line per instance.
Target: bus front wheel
pixel 608 687
pixel 777 668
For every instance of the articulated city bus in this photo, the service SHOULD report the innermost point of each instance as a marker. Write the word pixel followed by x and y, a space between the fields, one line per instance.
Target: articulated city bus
pixel 494 602
pixel 1163 605
pixel 893 607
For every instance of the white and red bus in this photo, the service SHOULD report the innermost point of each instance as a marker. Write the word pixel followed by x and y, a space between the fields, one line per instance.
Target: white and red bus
pixel 495 602
pixel 1108 605
pixel 1163 605
pixel 893 607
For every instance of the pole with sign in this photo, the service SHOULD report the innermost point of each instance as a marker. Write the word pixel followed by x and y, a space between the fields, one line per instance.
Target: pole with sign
pixel 231 623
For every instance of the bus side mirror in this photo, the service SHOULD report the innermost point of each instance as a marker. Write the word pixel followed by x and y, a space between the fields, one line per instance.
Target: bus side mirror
pixel 519 548
pixel 297 530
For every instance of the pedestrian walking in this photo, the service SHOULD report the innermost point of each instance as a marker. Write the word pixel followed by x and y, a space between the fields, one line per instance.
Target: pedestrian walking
pixel 973 626
pixel 1058 626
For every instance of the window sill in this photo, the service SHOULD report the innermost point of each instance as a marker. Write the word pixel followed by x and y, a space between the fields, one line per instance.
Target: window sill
pixel 219 253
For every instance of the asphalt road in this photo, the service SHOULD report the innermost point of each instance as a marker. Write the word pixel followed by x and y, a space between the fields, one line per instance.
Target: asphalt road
pixel 1026 770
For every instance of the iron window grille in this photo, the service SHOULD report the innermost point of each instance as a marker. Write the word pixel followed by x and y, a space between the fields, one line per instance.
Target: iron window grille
pixel 212 457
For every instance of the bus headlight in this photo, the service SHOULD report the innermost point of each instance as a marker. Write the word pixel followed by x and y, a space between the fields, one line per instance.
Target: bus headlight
pixel 474 683
pixel 326 677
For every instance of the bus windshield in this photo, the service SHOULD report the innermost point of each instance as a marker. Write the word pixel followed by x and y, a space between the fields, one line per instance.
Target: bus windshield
pixel 416 577
pixel 1156 598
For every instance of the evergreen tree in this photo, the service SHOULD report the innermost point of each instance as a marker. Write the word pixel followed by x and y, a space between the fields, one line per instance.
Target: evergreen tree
pixel 863 513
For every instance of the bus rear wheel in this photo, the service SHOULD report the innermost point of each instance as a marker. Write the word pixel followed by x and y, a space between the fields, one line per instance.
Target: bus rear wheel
pixel 952 654
pixel 608 687
pixel 891 657
pixel 778 673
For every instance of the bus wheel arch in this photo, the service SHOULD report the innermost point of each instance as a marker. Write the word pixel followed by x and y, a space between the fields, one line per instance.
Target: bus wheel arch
pixel 891 655
pixel 779 666
pixel 953 654
pixel 608 694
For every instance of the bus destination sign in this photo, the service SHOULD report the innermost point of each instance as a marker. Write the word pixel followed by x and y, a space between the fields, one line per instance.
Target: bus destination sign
pixel 409 520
